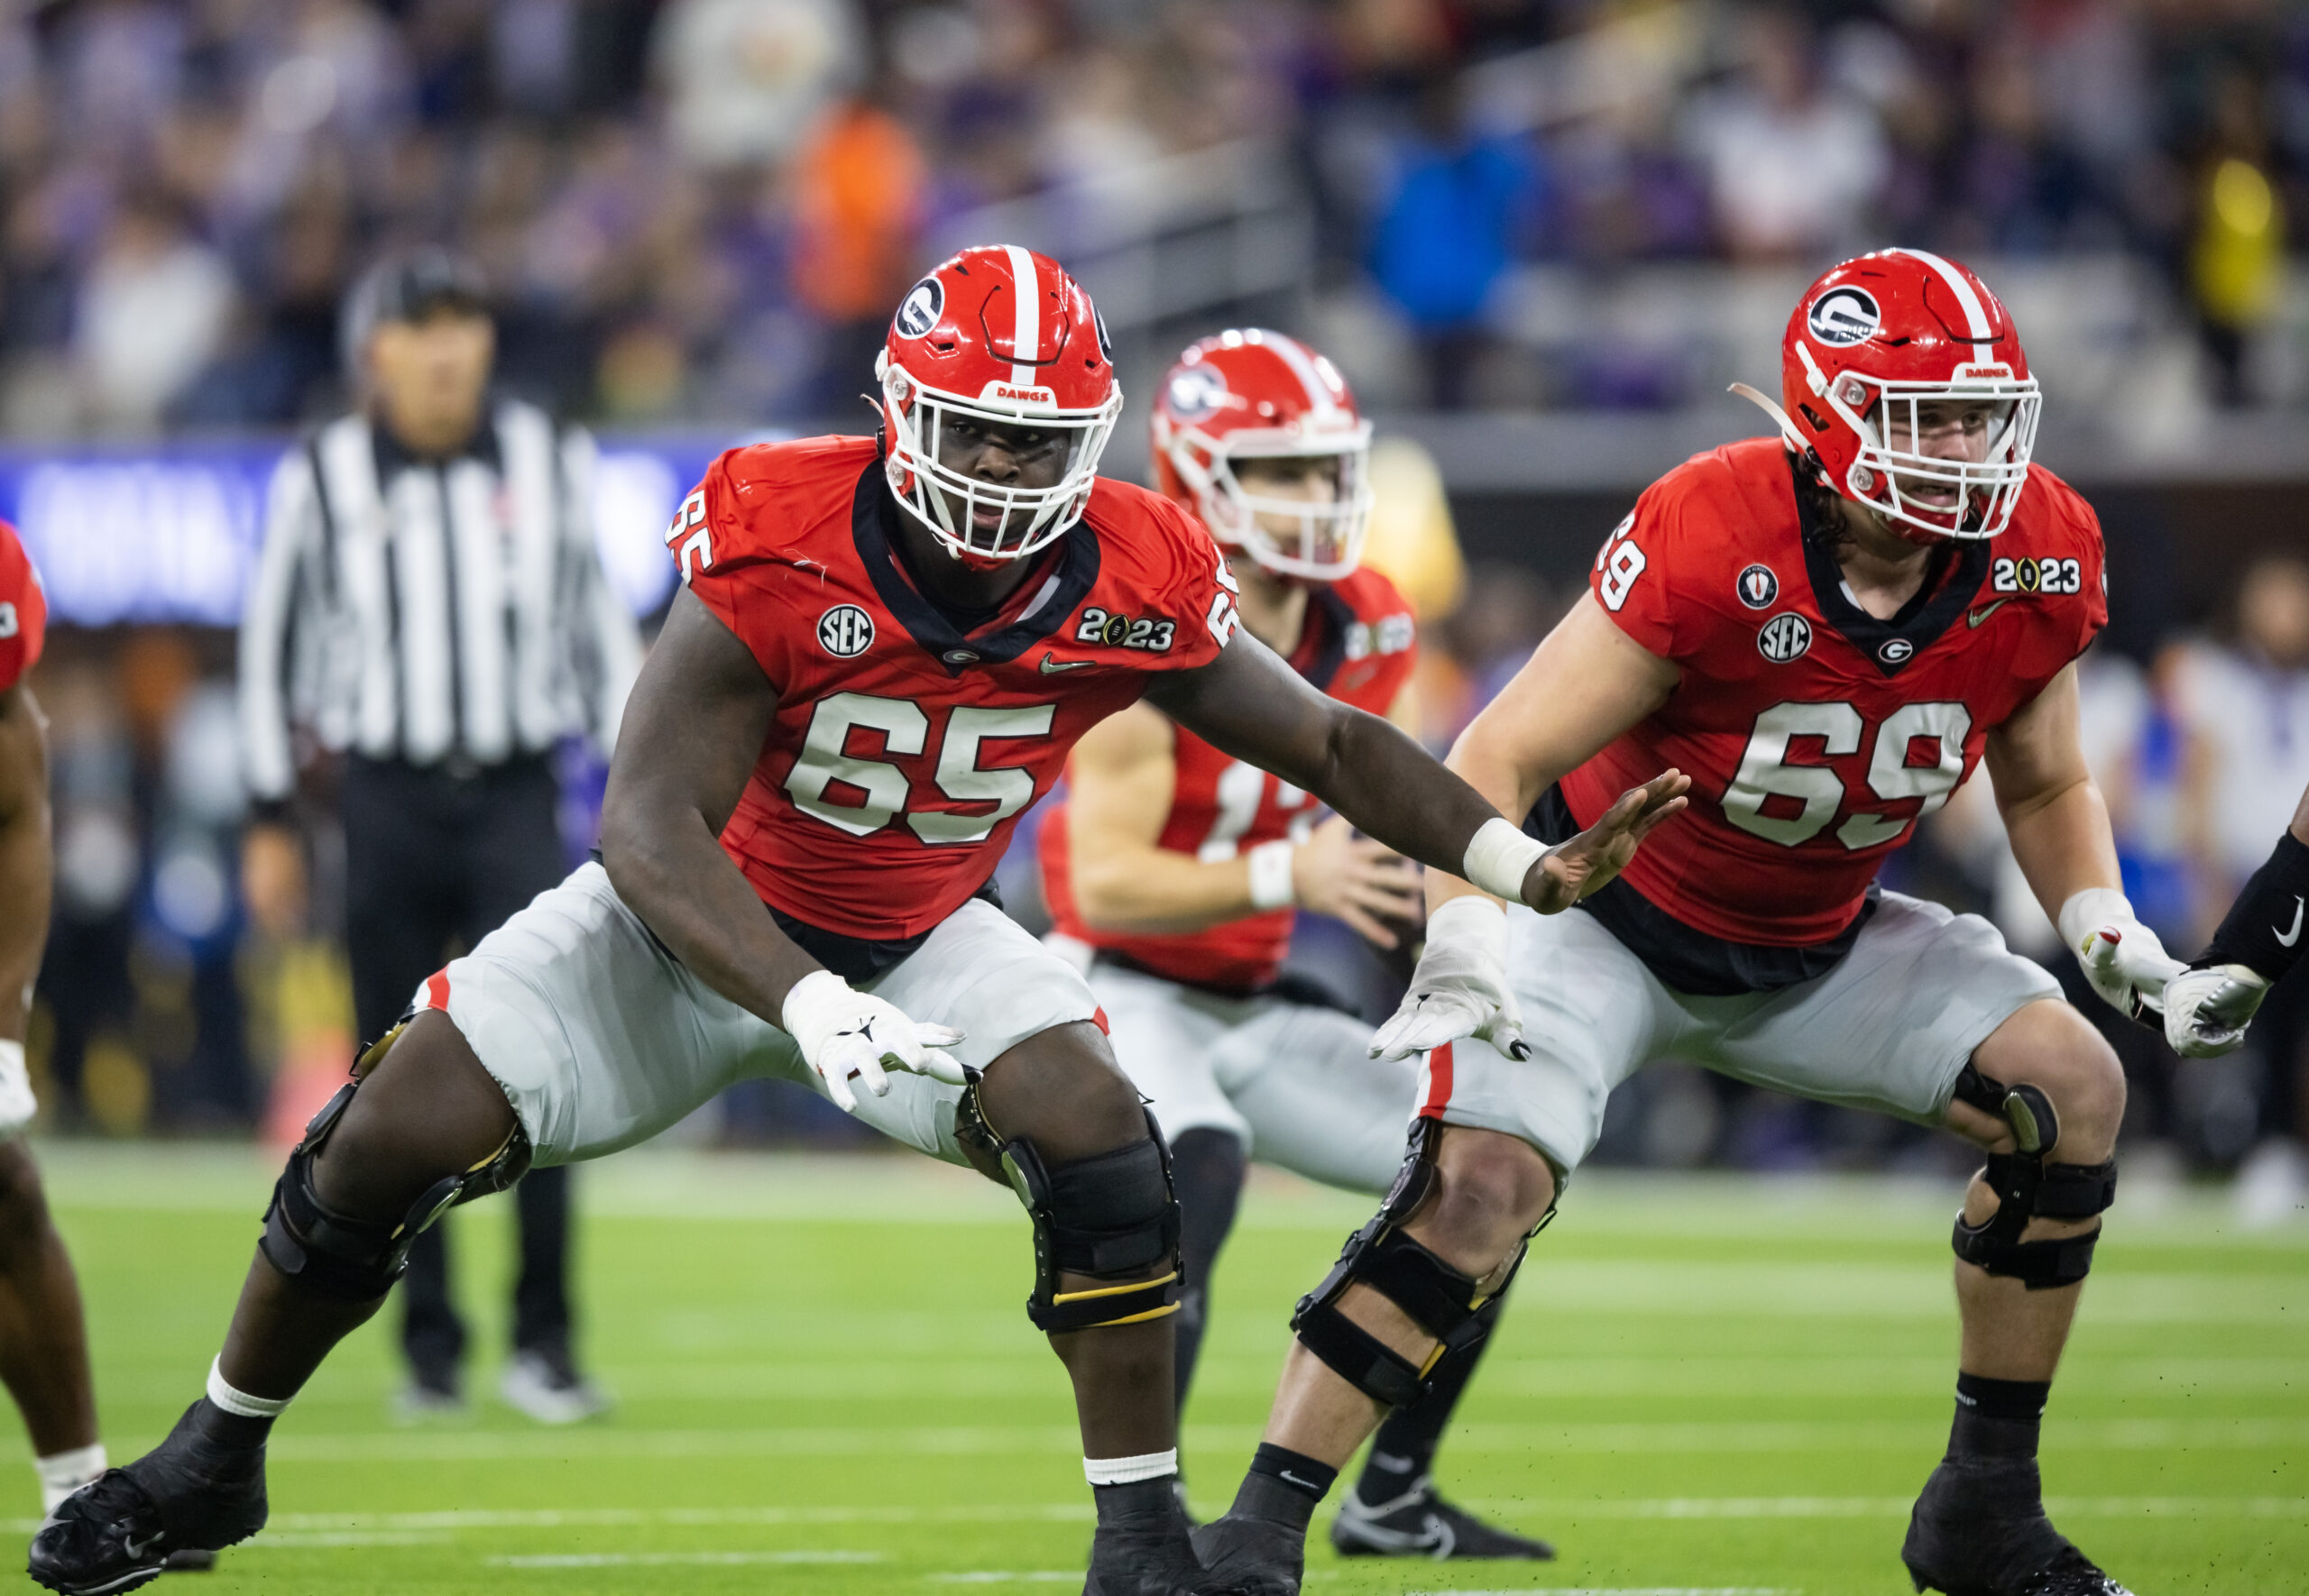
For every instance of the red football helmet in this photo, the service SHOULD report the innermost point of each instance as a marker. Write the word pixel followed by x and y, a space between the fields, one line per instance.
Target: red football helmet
pixel 1251 393
pixel 23 610
pixel 999 335
pixel 1870 345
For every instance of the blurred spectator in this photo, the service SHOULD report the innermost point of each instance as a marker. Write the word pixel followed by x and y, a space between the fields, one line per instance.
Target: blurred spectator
pixel 2248 702
pixel 1445 232
pixel 152 310
pixel 1792 161
pixel 857 200
pixel 746 79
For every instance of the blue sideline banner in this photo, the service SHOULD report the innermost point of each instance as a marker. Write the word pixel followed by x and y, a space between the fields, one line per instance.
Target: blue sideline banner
pixel 170 531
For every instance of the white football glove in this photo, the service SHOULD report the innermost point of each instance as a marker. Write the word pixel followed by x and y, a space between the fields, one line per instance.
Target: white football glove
pixel 2206 1011
pixel 1460 988
pixel 2122 958
pixel 844 1032
pixel 17 1105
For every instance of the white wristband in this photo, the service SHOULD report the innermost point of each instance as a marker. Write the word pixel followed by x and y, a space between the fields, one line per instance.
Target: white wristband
pixel 12 1058
pixel 2088 911
pixel 1471 922
pixel 1271 883
pixel 1499 855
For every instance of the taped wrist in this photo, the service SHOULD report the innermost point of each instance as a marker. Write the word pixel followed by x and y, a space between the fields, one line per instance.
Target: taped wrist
pixel 1111 1217
pixel 1498 857
pixel 2262 930
pixel 339 1255
pixel 1450 1305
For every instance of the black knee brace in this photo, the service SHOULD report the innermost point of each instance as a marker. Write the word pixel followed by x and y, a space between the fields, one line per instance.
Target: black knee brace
pixel 1453 1308
pixel 2028 1186
pixel 1107 1216
pixel 355 1259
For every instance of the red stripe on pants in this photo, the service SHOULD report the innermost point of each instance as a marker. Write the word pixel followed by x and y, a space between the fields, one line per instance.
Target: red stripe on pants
pixel 437 991
pixel 1438 1083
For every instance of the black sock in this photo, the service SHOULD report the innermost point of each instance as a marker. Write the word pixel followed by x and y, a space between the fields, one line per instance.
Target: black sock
pixel 2262 930
pixel 1137 1503
pixel 1206 1170
pixel 1402 1452
pixel 1282 1484
pixel 1997 1417
pixel 229 1429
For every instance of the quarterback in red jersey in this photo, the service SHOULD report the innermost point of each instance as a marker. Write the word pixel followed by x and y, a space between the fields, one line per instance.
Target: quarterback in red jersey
pixel 43 1347
pixel 1831 627
pixel 881 653
pixel 1177 871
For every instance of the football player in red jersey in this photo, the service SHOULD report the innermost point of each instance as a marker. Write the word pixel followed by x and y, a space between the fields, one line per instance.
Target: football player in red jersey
pixel 1180 870
pixel 881 653
pixel 1831 627
pixel 43 1347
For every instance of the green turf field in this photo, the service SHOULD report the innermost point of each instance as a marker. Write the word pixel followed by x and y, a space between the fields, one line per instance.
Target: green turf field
pixel 826 1384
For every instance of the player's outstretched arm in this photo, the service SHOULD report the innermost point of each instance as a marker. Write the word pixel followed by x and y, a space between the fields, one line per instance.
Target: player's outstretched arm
pixel 1249 703
pixel 2209 1007
pixel 692 730
pixel 2058 824
pixel 25 874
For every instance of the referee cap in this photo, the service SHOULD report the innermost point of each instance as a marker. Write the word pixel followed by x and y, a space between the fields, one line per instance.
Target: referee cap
pixel 407 287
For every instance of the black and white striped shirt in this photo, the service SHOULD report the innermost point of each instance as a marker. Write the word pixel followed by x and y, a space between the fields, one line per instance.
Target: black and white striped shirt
pixel 431 611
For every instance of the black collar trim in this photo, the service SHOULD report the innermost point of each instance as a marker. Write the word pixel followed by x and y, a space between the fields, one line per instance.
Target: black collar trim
pixel 1337 617
pixel 934 628
pixel 1891 643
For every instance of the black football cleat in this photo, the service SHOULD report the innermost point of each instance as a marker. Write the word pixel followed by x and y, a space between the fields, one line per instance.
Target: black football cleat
pixel 1421 1523
pixel 188 1494
pixel 1145 1553
pixel 1252 1556
pixel 1980 1530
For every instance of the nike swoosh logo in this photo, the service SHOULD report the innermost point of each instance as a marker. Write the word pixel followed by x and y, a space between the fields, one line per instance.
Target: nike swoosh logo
pixel 134 1550
pixel 1050 665
pixel 1984 611
pixel 1288 1478
pixel 2288 939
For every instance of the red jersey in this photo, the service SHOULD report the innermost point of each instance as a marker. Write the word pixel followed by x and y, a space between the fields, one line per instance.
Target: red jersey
pixel 1357 646
pixel 1815 735
pixel 23 610
pixel 908 739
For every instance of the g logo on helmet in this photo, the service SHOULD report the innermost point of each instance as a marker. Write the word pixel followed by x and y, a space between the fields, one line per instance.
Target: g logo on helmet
pixel 1844 317
pixel 919 311
pixel 1196 393
pixel 1106 345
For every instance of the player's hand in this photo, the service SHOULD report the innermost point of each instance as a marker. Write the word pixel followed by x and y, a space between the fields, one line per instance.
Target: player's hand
pixel 1460 988
pixel 17 1105
pixel 2122 958
pixel 1356 879
pixel 1569 871
pixel 844 1032
pixel 2206 1011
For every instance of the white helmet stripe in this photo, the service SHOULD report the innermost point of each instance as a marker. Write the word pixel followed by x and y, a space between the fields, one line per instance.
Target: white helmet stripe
pixel 1974 312
pixel 1027 335
pixel 1294 354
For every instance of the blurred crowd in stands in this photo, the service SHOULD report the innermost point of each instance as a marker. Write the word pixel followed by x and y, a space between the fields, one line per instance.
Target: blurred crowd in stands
pixel 703 209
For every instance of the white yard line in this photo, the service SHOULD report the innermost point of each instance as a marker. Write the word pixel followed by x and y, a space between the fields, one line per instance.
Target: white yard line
pixel 678 1559
pixel 1726 1437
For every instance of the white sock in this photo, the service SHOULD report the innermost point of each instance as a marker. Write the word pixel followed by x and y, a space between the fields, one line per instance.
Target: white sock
pixel 240 1403
pixel 1129 1471
pixel 63 1473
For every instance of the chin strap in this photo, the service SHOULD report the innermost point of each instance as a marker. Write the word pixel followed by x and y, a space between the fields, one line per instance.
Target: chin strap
pixel 1771 406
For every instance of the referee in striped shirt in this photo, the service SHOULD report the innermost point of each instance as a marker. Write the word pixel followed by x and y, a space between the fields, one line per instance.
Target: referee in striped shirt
pixel 429 604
